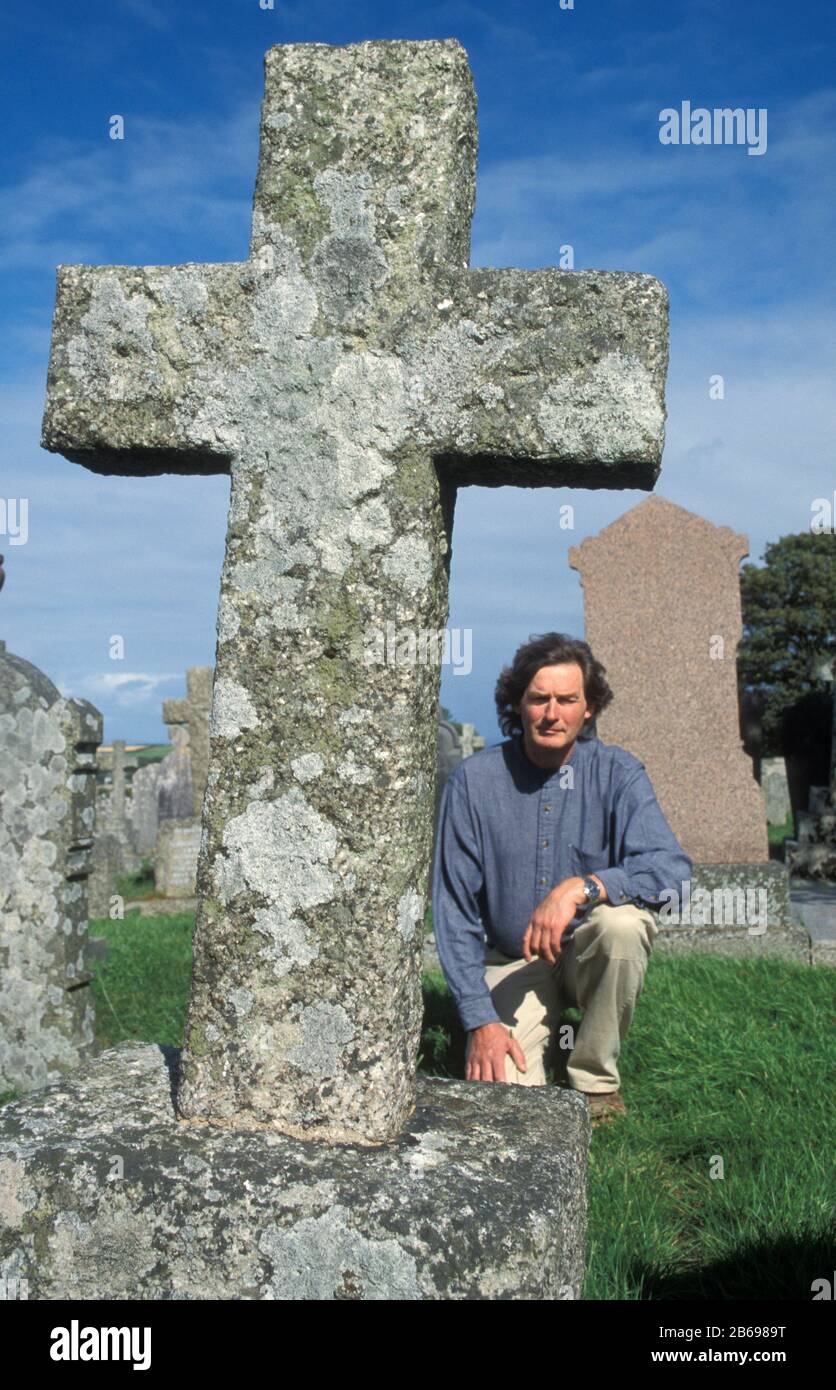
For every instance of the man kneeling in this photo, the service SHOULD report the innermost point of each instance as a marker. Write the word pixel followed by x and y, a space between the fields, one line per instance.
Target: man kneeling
pixel 549 847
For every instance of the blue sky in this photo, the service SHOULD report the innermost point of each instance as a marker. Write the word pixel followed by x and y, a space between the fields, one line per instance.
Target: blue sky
pixel 569 103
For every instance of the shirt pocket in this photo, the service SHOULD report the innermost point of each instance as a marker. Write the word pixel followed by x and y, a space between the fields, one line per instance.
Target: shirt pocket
pixel 585 860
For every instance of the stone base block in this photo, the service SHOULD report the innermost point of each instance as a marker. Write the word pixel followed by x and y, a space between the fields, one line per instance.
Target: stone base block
pixel 791 942
pixel 735 910
pixel 105 1194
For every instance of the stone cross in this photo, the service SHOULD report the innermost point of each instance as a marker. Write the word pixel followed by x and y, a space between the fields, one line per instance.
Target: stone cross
pixel 348 377
pixel 194 712
pixel 120 762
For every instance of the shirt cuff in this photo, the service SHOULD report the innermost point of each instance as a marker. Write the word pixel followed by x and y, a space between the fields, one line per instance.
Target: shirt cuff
pixel 617 885
pixel 476 1012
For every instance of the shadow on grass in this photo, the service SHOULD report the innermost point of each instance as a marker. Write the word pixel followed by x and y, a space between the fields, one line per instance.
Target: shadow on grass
pixel 780 1268
pixel 442 1036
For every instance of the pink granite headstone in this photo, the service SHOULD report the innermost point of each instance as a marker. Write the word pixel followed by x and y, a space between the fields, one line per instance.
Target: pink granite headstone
pixel 662 612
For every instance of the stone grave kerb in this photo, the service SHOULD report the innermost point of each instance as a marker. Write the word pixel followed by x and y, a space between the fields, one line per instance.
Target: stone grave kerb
pixel 348 376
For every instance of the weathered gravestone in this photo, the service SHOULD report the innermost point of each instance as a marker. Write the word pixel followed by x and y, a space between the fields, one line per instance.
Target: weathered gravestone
pixel 451 747
pixel 47 811
pixel 143 809
pixel 662 613
pixel 448 754
pixel 106 864
pixel 175 858
pixel 181 786
pixel 175 789
pixel 193 713
pixel 348 377
pixel 776 790
pixel 471 741
pixel 112 817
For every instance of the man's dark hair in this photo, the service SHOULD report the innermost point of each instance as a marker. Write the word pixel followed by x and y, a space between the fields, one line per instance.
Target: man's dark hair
pixel 552 649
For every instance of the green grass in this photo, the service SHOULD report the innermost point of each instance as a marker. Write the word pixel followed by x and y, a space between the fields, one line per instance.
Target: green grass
pixel 142 990
pixel 725 1057
pixel 132 887
pixel 777 834
pixel 153 753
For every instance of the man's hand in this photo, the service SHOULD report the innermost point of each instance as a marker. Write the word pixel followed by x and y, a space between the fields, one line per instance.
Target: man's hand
pixel 549 921
pixel 487 1048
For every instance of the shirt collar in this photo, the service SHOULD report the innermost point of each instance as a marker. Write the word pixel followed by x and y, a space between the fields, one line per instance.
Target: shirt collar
pixel 545 774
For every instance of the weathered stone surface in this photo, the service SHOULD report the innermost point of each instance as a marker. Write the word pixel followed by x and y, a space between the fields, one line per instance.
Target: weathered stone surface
pixel 448 754
pixel 106 863
pixel 194 713
pixel 662 612
pixel 175 864
pixel 175 789
pixel 483 1196
pixel 789 942
pixel 735 910
pixel 471 741
pixel 142 810
pixel 47 812
pixel 112 817
pixel 776 790
pixel 349 376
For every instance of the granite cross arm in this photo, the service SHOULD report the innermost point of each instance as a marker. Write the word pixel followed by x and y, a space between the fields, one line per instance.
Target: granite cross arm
pixel 349 375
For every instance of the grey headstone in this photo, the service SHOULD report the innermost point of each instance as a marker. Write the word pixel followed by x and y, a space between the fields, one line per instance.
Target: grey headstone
pixel 115 819
pixel 471 741
pixel 194 713
pixel 175 862
pixel 106 864
pixel 175 790
pixel 47 812
pixel 776 790
pixel 143 810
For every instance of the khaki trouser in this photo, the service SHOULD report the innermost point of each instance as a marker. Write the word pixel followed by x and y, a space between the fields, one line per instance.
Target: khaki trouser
pixel 600 971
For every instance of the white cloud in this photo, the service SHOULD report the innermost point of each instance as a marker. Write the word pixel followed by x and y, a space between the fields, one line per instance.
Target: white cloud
pixel 116 201
pixel 125 689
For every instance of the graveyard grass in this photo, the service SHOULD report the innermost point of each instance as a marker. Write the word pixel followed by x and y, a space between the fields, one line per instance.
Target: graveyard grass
pixel 725 1060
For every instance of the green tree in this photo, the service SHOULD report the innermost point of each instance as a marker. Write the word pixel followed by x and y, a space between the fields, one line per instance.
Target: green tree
pixel 788 605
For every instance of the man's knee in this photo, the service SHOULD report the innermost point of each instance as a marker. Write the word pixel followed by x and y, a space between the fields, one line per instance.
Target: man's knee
pixel 621 931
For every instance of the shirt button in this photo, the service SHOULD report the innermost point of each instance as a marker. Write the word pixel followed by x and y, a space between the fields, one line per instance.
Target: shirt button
pixel 542 880
pixel 545 844
pixel 547 808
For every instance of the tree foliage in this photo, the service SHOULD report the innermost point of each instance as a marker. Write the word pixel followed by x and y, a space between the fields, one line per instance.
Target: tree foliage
pixel 789 615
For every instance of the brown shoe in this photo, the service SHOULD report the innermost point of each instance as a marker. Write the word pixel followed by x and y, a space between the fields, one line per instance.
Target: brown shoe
pixel 605 1105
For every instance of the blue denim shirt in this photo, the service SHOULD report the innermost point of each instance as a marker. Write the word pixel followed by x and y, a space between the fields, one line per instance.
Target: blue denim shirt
pixel 509 831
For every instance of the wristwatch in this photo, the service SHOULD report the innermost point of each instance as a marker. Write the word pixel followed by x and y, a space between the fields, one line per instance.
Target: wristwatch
pixel 591 890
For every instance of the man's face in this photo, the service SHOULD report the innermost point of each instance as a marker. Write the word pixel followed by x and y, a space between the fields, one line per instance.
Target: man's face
pixel 553 711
